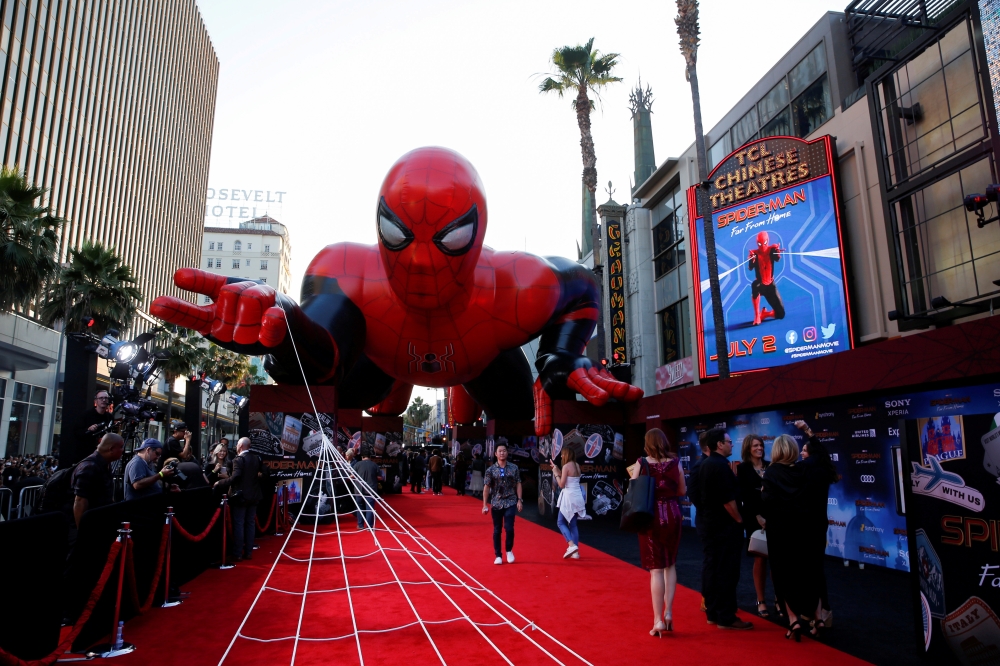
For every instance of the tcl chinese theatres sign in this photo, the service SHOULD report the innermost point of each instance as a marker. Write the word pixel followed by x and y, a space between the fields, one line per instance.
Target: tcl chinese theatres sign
pixel 616 293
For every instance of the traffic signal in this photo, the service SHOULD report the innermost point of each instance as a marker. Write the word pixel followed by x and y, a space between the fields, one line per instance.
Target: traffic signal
pixel 204 424
pixel 88 322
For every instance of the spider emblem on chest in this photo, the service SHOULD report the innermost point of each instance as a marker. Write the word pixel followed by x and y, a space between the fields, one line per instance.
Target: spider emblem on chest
pixel 431 362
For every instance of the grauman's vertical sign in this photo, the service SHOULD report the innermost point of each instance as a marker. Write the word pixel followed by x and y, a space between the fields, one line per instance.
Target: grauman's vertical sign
pixel 760 167
pixel 616 292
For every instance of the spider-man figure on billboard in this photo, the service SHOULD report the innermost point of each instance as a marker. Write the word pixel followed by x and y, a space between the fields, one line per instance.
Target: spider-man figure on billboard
pixel 761 264
pixel 429 305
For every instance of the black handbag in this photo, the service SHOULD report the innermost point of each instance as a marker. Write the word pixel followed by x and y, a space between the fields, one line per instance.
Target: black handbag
pixel 639 505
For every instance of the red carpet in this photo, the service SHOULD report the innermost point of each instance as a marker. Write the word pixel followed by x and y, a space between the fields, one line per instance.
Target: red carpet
pixel 597 606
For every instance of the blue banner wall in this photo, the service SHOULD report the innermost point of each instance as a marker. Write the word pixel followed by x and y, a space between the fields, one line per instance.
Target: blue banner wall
pixel 865 509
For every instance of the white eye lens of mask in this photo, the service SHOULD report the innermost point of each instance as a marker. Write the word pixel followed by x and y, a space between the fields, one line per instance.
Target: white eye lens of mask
pixel 459 238
pixel 391 234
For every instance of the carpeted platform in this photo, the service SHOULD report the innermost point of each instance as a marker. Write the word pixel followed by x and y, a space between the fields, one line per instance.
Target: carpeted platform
pixel 597 606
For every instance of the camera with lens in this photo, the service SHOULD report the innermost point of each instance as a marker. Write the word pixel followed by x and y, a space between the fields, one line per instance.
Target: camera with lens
pixel 144 410
pixel 172 465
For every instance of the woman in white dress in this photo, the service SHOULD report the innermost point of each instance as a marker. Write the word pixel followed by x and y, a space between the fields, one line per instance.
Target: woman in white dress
pixel 571 503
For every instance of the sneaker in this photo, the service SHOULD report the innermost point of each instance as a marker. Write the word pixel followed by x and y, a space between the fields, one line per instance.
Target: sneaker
pixel 510 557
pixel 738 624
pixel 575 556
pixel 499 560
pixel 570 550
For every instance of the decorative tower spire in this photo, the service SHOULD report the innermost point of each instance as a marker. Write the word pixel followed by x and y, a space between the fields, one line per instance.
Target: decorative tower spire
pixel 641 103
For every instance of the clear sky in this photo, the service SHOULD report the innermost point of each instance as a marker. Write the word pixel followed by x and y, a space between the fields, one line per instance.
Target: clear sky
pixel 318 99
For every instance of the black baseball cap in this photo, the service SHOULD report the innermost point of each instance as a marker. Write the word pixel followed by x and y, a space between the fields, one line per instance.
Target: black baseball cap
pixel 178 425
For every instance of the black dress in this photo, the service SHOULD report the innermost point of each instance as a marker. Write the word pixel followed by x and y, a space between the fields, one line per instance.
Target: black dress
pixel 821 473
pixel 790 548
pixel 751 504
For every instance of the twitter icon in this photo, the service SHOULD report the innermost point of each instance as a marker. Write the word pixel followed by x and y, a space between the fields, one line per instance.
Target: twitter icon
pixel 828 331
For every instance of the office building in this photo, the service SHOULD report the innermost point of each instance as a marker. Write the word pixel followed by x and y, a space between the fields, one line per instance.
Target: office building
pixel 110 106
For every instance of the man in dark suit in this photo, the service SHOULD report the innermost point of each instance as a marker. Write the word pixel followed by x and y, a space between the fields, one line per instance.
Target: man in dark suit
pixel 417 473
pixel 244 493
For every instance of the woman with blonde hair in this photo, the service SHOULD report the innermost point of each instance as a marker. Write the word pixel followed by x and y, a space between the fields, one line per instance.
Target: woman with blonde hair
pixel 218 466
pixel 785 492
pixel 658 545
pixel 571 503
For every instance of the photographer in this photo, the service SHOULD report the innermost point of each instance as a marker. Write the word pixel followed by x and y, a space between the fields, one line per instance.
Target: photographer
pixel 93 423
pixel 188 475
pixel 179 443
pixel 141 477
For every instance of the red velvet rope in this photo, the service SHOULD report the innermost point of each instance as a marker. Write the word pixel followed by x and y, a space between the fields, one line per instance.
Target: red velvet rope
pixel 187 535
pixel 8 659
pixel 130 570
pixel 274 503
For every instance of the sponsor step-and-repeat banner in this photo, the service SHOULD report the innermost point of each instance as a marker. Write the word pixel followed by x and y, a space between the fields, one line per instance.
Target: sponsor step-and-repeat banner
pixel 867 507
pixel 773 206
pixel 952 464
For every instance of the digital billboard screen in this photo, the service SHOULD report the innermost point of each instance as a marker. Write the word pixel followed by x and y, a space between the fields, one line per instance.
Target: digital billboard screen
pixel 773 205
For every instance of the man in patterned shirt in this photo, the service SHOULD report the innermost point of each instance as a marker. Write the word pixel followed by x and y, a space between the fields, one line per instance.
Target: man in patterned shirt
pixel 502 489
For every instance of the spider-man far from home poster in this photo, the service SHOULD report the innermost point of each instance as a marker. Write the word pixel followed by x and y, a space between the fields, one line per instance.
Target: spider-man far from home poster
pixel 773 206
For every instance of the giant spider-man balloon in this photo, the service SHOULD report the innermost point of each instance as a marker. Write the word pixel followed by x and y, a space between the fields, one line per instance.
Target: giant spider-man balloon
pixel 428 306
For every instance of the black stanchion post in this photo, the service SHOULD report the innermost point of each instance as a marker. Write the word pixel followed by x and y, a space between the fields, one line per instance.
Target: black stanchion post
pixel 118 646
pixel 167 601
pixel 225 515
pixel 278 512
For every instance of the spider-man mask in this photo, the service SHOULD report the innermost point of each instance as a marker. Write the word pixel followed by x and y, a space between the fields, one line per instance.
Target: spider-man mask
pixel 762 240
pixel 431 220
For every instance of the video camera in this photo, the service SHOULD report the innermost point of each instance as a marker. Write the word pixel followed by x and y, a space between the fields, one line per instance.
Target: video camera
pixel 975 203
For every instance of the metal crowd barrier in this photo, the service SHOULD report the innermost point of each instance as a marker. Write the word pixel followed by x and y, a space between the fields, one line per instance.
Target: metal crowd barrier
pixel 26 501
pixel 6 503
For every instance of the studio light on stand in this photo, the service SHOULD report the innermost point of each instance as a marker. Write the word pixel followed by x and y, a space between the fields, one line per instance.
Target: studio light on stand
pixel 975 203
pixel 237 401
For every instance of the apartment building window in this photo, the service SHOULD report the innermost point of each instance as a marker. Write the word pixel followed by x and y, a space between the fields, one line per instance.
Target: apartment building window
pixel 207 300
pixel 675 331
pixel 210 260
pixel 263 280
pixel 267 248
pixel 220 246
pixel 211 245
pixel 218 263
pixel 237 246
pixel 249 246
pixel 719 150
pixel 263 264
pixel 669 247
pixel 27 412
pixel 236 263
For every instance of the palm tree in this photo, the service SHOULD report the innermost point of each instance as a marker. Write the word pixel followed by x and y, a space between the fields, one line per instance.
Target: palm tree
pixel 582 70
pixel 29 241
pixel 687 30
pixel 187 351
pixel 228 367
pixel 95 283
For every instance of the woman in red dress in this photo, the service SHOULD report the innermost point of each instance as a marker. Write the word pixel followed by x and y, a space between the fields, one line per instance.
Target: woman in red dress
pixel 658 546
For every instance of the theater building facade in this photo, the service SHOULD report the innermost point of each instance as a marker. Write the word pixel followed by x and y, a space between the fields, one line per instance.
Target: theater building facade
pixel 858 288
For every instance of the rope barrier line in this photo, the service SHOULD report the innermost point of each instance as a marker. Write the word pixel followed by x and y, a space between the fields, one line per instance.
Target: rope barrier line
pixel 332 468
pixel 130 572
pixel 8 659
pixel 204 533
pixel 267 523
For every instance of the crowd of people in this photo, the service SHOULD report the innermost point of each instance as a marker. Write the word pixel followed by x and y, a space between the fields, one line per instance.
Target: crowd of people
pixel 784 499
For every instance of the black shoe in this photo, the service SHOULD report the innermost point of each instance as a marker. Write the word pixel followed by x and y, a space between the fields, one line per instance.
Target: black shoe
pixel 795 630
pixel 248 557
pixel 738 624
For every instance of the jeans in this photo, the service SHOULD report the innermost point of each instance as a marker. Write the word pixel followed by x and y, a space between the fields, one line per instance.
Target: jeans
pixel 569 530
pixel 243 529
pixel 723 547
pixel 366 517
pixel 503 519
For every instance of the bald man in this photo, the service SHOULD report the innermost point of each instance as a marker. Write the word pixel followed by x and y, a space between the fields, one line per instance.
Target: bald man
pixel 92 483
pixel 244 494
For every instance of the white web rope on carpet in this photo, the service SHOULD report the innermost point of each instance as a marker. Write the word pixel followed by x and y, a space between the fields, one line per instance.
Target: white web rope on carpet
pixel 333 480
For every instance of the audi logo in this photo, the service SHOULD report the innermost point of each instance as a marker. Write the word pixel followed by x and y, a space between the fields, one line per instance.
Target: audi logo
pixel 867 478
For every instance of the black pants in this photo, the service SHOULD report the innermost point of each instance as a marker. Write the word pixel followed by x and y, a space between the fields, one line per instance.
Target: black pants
pixel 436 480
pixel 723 547
pixel 244 529
pixel 417 482
pixel 771 295
pixel 503 519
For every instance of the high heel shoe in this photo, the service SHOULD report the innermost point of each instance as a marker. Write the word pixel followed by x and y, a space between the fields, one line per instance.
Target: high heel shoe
pixel 762 612
pixel 658 629
pixel 669 621
pixel 795 629
pixel 815 626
